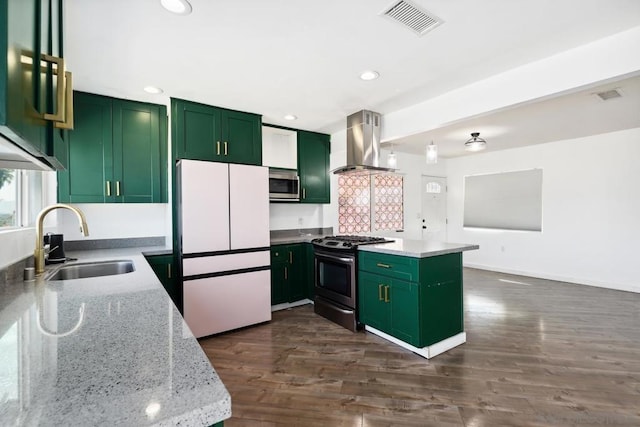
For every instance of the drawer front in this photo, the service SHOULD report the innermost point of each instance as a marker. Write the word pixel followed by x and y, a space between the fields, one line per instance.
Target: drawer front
pixel 405 268
pixel 220 263
pixel 280 253
pixel 218 304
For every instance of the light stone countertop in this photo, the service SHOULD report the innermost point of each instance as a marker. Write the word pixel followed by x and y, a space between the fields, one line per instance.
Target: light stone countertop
pixel 302 238
pixel 417 248
pixel 110 350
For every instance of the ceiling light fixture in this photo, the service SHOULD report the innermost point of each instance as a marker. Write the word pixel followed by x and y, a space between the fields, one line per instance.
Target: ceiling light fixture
pixel 369 75
pixel 432 153
pixel 153 90
pixel 290 117
pixel 179 7
pixel 392 161
pixel 475 143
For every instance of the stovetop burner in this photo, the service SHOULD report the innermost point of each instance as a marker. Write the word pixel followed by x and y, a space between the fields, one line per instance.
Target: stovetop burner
pixel 347 242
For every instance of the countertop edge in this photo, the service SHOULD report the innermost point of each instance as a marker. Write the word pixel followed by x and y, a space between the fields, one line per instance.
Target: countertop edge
pixel 418 253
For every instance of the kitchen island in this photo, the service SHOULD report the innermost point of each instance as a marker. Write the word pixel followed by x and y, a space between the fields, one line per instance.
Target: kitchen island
pixel 410 293
pixel 110 350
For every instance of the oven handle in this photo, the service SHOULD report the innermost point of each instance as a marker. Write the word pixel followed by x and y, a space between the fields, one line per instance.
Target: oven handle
pixel 346 260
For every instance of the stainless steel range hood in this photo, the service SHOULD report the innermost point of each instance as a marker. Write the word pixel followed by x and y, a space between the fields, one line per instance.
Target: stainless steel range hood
pixel 363 144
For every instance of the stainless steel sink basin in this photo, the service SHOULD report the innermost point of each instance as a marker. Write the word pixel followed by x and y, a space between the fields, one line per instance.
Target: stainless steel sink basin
pixel 83 270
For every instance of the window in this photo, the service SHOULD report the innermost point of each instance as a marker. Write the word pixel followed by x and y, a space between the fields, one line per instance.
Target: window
pixel 359 212
pixel 508 201
pixel 21 197
pixel 8 197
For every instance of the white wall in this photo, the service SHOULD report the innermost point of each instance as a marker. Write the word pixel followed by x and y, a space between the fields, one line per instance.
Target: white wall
pixel 411 166
pixel 117 220
pixel 591 211
pixel 289 216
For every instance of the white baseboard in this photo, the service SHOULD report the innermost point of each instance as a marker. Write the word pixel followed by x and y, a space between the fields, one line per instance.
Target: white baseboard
pixel 577 281
pixel 426 352
pixel 286 305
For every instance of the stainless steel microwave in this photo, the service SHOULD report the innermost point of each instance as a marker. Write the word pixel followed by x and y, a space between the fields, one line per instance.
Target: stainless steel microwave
pixel 284 185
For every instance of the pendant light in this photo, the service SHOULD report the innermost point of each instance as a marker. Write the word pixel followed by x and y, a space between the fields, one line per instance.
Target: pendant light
pixel 432 153
pixel 475 143
pixel 392 161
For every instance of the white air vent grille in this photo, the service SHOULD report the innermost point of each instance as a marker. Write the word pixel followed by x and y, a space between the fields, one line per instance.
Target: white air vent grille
pixel 412 17
pixel 609 94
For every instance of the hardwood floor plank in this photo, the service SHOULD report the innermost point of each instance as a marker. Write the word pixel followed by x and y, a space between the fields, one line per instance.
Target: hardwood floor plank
pixel 541 353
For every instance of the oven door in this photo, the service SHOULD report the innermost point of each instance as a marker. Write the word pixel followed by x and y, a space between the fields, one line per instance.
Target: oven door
pixel 335 277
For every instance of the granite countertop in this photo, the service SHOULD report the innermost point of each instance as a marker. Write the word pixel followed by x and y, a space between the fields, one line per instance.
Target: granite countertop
pixel 417 248
pixel 302 238
pixel 110 350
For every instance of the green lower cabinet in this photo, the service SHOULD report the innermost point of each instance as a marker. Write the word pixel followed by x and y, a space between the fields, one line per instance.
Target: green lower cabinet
pixel 288 275
pixel 163 266
pixel 374 311
pixel 310 271
pixel 279 281
pixel 421 312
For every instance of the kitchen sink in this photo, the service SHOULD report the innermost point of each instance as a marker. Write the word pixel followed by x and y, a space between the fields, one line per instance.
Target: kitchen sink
pixel 83 270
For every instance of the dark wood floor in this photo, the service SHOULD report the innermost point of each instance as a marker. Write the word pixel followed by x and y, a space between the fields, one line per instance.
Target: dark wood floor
pixel 538 353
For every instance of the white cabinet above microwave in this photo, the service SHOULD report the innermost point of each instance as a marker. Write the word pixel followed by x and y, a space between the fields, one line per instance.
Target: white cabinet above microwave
pixel 279 148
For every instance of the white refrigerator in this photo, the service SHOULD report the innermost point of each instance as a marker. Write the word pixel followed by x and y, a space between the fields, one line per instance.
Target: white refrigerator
pixel 223 223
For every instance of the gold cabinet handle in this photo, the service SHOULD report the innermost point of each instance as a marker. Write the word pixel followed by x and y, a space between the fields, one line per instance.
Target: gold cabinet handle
pixel 290 257
pixel 225 148
pixel 383 265
pixel 68 103
pixel 169 271
pixel 109 188
pixel 386 294
pixel 217 148
pixel 380 292
pixel 117 188
pixel 286 273
pixel 59 114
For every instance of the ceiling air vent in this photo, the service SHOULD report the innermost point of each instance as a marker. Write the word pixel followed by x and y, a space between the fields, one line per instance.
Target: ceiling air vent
pixel 412 17
pixel 609 94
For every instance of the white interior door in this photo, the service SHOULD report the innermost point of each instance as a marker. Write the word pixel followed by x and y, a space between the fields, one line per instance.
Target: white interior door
pixel 204 205
pixel 434 208
pixel 249 206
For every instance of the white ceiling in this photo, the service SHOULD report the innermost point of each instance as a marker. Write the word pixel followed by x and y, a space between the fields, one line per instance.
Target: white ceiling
pixel 277 57
pixel 567 116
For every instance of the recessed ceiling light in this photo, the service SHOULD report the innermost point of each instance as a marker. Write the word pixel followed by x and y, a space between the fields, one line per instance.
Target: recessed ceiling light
pixel 369 75
pixel 179 7
pixel 153 90
pixel 290 117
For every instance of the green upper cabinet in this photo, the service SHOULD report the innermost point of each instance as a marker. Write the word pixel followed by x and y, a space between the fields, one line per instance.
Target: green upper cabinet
pixel 138 150
pixel 34 90
pixel 117 152
pixel 203 132
pixel 313 167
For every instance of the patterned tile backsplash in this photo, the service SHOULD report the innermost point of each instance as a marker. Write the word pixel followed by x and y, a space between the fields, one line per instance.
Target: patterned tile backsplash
pixel 354 203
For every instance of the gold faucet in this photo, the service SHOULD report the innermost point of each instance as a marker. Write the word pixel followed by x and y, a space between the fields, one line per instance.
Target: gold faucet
pixel 38 253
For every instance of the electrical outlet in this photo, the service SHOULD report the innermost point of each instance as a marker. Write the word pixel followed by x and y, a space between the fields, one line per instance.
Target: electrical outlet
pixel 501 248
pixel 300 221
